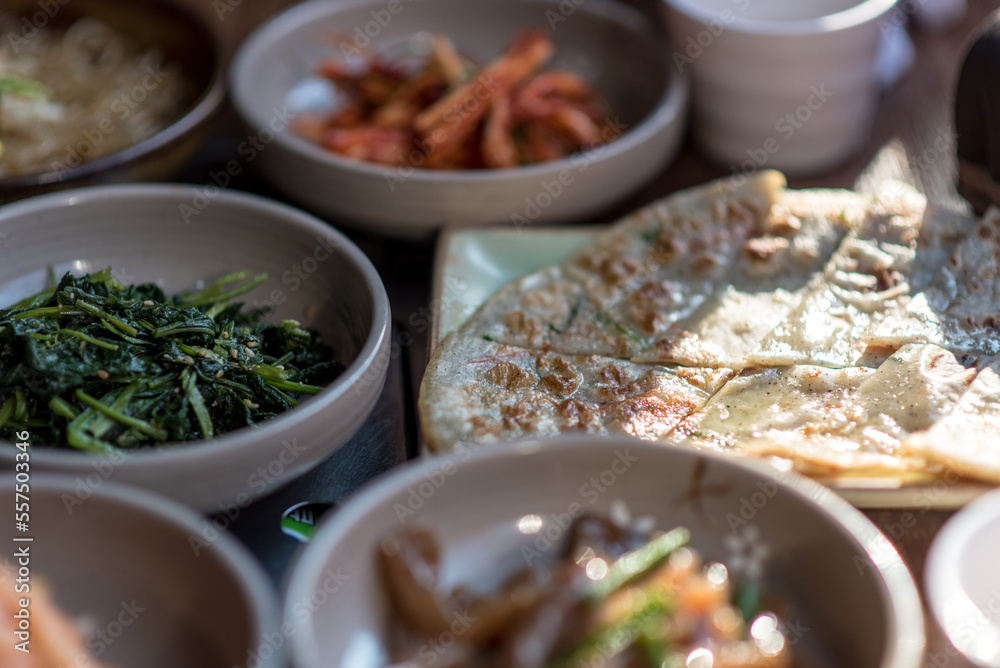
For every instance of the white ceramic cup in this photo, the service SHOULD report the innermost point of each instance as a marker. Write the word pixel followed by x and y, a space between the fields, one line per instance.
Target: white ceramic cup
pixel 785 84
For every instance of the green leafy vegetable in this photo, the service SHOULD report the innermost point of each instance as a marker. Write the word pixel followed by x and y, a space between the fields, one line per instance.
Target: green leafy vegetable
pixel 97 366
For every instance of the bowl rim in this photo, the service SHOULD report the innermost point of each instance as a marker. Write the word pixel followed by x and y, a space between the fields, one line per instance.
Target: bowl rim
pixel 902 609
pixel 943 584
pixel 857 14
pixel 206 105
pixel 367 357
pixel 260 595
pixel 670 107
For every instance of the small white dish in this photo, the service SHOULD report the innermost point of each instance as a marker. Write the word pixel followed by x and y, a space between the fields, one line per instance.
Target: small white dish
pixel 962 580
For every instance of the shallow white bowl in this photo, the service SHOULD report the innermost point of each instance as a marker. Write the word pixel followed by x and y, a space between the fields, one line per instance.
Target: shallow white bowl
pixel 854 601
pixel 962 580
pixel 608 43
pixel 147 233
pixel 122 562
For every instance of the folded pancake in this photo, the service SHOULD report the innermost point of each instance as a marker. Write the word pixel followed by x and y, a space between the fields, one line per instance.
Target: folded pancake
pixel 764 282
pixel 651 268
pixel 833 420
pixel 960 309
pixel 967 440
pixel 890 256
pixel 477 391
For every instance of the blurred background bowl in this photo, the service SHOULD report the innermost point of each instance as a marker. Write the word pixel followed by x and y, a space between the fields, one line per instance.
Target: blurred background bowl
pixel 121 563
pixel 184 40
pixel 145 234
pixel 962 581
pixel 609 44
pixel 841 578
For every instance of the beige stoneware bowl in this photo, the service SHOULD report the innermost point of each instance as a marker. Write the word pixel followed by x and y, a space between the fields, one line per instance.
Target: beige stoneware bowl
pixel 184 39
pixel 606 42
pixel 852 600
pixel 147 233
pixel 120 564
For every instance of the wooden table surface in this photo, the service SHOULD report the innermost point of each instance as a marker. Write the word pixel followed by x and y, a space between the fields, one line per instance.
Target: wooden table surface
pixel 914 119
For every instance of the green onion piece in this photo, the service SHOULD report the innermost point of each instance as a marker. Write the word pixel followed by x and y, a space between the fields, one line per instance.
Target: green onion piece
pixel 614 639
pixel 748 599
pixel 90 339
pixel 123 335
pixel 105 276
pixel 181 328
pixel 269 372
pixel 206 297
pixel 22 86
pixel 284 359
pixel 239 387
pixel 633 565
pixel 654 644
pixel 6 410
pixel 197 403
pixel 43 312
pixel 141 425
pixel 290 386
pixel 118 400
pixel 63 408
pixel 33 301
pixel 79 439
pixel 120 324
pixel 20 406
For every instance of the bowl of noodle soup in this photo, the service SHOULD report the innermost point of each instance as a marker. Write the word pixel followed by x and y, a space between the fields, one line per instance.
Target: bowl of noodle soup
pixel 117 90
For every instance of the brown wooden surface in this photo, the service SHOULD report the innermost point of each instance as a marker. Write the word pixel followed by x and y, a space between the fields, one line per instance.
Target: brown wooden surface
pixel 914 116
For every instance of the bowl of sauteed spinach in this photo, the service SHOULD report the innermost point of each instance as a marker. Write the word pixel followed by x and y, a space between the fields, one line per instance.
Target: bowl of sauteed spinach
pixel 584 551
pixel 183 353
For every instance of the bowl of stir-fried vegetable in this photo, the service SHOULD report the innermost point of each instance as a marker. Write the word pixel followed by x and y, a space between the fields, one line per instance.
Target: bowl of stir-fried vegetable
pixel 406 118
pixel 587 551
pixel 210 361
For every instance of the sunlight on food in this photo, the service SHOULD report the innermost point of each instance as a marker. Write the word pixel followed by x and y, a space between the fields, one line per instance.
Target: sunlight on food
pixel 726 620
pixel 529 524
pixel 364 650
pixel 763 626
pixel 701 657
pixel 620 514
pixel 682 559
pixel 313 93
pixel 717 575
pixel 596 569
pixel 891 161
pixel 767 636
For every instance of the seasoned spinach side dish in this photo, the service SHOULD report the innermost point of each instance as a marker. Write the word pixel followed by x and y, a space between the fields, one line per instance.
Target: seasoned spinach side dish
pixel 97 366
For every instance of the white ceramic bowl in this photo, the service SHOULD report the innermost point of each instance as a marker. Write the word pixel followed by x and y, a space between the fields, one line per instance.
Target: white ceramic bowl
pixel 962 580
pixel 122 562
pixel 606 42
pixel 148 233
pixel 844 581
